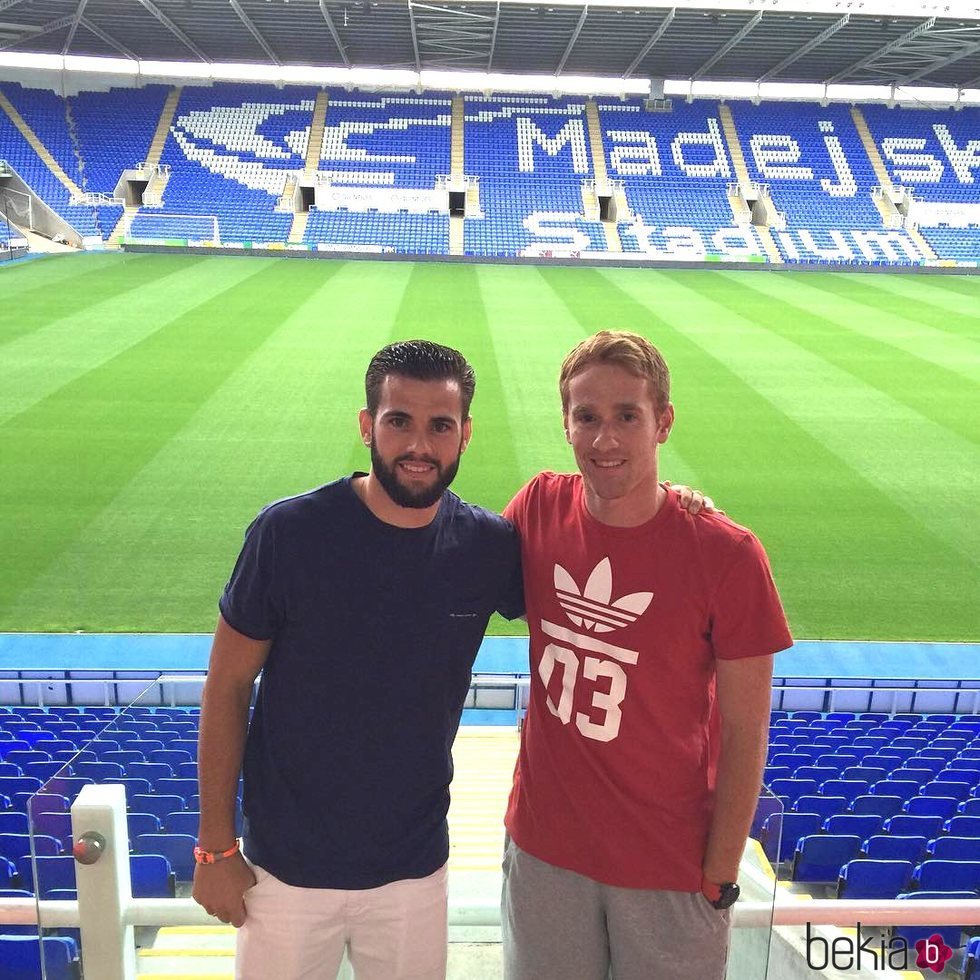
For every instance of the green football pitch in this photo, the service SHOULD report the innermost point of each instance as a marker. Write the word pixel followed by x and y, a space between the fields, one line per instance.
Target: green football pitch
pixel 151 404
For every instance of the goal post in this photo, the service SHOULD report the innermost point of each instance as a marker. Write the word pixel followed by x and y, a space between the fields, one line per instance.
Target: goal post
pixel 17 207
pixel 181 229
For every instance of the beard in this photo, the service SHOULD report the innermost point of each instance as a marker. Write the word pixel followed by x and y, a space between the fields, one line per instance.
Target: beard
pixel 402 495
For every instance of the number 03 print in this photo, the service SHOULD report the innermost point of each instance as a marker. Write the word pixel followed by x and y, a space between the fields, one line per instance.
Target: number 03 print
pixel 593 669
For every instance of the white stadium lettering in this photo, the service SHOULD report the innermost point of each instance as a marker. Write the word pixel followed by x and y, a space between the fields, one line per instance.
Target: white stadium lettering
pixel 572 134
pixel 715 168
pixel 964 160
pixel 930 170
pixel 772 152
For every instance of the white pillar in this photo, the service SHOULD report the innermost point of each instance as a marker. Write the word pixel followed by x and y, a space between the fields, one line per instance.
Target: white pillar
pixel 104 887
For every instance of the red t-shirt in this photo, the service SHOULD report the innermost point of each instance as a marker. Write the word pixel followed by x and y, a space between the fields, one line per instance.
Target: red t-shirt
pixel 616 770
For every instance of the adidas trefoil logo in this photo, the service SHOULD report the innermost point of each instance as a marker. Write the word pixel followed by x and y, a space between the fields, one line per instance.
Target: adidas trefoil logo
pixel 591 608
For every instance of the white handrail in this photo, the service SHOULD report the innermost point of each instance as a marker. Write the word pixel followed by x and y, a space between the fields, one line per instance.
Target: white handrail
pixel 817 912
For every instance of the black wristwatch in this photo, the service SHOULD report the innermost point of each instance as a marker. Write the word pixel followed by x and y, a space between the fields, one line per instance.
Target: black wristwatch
pixel 722 896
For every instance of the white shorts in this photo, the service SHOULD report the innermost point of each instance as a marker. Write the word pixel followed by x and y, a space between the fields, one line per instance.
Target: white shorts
pixel 395 932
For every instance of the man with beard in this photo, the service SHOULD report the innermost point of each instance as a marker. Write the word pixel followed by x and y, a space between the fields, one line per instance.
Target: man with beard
pixel 363 603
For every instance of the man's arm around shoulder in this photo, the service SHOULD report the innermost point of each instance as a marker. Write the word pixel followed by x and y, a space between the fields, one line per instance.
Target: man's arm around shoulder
pixel 235 662
pixel 744 692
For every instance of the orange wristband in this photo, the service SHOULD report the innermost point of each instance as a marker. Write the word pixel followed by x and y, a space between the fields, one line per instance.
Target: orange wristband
pixel 213 857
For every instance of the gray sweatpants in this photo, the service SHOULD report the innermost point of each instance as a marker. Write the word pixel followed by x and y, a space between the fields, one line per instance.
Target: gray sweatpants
pixel 559 925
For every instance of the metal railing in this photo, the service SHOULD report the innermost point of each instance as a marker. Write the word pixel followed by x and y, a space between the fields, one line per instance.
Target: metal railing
pixel 107 913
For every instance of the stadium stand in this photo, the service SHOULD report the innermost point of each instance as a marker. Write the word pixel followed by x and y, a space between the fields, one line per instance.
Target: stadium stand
pixel 929 153
pixel 114 130
pixel 230 150
pixel 821 179
pixel 531 155
pixel 676 170
pixel 35 172
pixel 237 152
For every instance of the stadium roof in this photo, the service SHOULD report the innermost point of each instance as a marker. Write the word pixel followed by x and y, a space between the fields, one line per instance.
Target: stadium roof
pixel 826 41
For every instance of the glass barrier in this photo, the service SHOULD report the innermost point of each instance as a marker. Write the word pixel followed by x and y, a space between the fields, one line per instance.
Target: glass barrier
pixel 750 945
pixel 872 950
pixel 149 749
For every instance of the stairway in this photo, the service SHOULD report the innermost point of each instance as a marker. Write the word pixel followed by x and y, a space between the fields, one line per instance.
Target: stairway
pixel 885 181
pixel 123 225
pixel 610 228
pixel 595 142
pixel 734 146
pixel 315 144
pixel 288 194
pixel 457 155
pixel 457 240
pixel 159 140
pixel 742 174
pixel 39 148
pixel 298 228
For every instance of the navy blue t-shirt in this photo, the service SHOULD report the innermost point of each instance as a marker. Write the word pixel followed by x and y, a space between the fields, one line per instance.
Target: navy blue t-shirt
pixel 374 631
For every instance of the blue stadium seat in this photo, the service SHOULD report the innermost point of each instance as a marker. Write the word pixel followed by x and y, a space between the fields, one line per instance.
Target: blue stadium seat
pixel 47 872
pixel 940 875
pixel 151 876
pixel 850 789
pixel 178 849
pixel 963 825
pixel 908 825
pixel 939 806
pixel 819 857
pixel 950 848
pixel 951 935
pixel 883 806
pixel 22 958
pixel 864 825
pixel 890 847
pixel 14 846
pixel 781 831
pixel 826 806
pixel 158 804
pixel 865 878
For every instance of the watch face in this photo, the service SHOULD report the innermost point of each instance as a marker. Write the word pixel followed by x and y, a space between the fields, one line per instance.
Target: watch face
pixel 729 896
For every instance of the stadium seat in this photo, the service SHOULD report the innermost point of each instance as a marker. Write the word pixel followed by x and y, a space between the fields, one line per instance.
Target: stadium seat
pixel 178 849
pixel 889 847
pixel 962 825
pixel 947 789
pixel 908 825
pixel 14 846
pixel 792 789
pixel 883 806
pixel 818 858
pixel 826 806
pixel 151 876
pixel 940 875
pixel 938 806
pixel 903 788
pixel 781 831
pixel 864 878
pixel 850 789
pixel 955 848
pixel 142 823
pixel 22 958
pixel 47 872
pixel 863 825
pixel 13 822
pixel 158 804
pixel 951 935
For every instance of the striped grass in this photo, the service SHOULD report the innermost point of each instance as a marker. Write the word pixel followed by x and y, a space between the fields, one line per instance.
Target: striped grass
pixel 151 404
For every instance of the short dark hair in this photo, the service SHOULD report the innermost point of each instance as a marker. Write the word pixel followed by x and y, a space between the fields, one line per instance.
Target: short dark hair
pixel 422 360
